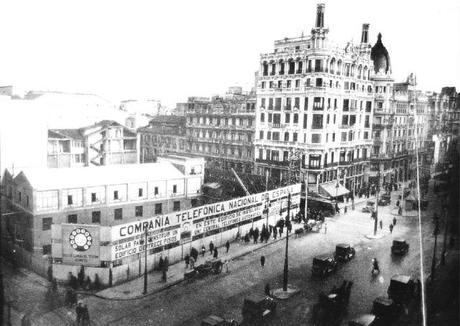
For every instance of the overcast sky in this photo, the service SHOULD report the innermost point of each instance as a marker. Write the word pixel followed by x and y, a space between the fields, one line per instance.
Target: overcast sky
pixel 173 49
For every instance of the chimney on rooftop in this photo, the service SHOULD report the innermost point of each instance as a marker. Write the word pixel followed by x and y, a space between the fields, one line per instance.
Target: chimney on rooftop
pixel 365 33
pixel 320 15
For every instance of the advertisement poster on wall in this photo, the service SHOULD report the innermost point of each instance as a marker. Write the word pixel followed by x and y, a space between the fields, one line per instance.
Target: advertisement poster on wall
pixel 179 227
pixel 80 244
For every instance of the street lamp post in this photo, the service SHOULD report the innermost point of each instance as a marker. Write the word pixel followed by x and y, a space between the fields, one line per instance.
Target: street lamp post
pixel 376 216
pixel 267 205
pixel 433 261
pixel 285 273
pixel 145 261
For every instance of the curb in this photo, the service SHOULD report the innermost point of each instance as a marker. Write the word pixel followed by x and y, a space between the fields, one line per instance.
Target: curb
pixel 174 282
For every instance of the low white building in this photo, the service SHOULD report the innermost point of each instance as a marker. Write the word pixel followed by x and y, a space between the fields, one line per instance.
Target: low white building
pixel 93 196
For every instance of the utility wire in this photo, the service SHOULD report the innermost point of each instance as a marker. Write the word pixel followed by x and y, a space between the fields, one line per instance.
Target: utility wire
pixel 422 277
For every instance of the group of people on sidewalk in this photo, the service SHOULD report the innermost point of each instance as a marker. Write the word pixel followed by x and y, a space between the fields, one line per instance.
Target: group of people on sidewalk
pixel 191 258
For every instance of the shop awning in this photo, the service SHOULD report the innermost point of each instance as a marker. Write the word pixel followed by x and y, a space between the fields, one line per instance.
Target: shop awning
pixel 332 190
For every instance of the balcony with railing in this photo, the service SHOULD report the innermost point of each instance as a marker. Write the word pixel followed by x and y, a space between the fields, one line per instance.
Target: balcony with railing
pixel 273 162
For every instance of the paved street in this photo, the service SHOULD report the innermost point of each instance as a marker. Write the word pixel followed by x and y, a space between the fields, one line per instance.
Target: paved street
pixel 188 303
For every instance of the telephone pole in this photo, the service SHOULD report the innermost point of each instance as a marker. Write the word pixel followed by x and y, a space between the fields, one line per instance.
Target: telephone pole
pixel 285 273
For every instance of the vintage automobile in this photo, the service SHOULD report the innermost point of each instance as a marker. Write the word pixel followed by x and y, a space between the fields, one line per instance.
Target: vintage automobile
pixel 369 208
pixel 324 265
pixel 401 289
pixel 313 225
pixel 364 320
pixel 399 247
pixel 213 320
pixel 213 266
pixel 386 310
pixel 344 252
pixel 384 200
pixel 330 309
pixel 257 308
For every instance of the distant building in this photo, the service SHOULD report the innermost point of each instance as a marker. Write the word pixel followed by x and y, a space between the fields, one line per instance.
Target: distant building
pixel 102 196
pixel 180 110
pixel 221 129
pixel 444 118
pixel 148 107
pixel 104 143
pixel 163 135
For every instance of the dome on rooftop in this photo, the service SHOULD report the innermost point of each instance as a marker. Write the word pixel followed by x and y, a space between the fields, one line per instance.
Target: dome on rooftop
pixel 380 56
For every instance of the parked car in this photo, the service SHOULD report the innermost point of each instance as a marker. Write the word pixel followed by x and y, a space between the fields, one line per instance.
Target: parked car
pixel 213 320
pixel 344 252
pixel 330 308
pixel 386 310
pixel 401 289
pixel 369 208
pixel 258 308
pixel 324 265
pixel 385 200
pixel 399 247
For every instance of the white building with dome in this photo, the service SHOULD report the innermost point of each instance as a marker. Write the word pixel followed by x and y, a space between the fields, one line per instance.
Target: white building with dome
pixel 315 111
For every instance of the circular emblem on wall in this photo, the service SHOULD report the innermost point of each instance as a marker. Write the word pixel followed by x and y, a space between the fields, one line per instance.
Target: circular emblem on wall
pixel 80 239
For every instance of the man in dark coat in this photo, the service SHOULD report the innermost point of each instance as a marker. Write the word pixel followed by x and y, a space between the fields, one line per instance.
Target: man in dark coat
pixel 216 253
pixel 227 245
pixel 79 312
pixel 256 235
pixel 262 261
pixel 211 247
pixel 187 260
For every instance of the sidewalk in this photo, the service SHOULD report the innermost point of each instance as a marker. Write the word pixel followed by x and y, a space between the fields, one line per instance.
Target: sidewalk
pixel 133 289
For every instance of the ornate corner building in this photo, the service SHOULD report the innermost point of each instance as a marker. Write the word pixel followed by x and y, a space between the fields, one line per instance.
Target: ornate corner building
pixel 315 99
pixel 400 122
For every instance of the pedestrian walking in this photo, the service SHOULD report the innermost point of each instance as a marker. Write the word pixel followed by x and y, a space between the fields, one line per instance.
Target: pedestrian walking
pixel 203 250
pixel 267 289
pixel 216 253
pixel 381 224
pixel 227 245
pixel 227 262
pixel 399 211
pixel 192 263
pixel 256 235
pixel 394 221
pixel 275 233
pixel 325 227
pixel 85 315
pixel 391 228
pixel 79 312
pixel 187 260
pixel 211 247
pixel 262 260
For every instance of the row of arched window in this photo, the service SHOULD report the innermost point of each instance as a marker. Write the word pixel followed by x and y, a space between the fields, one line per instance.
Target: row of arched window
pixel 299 66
